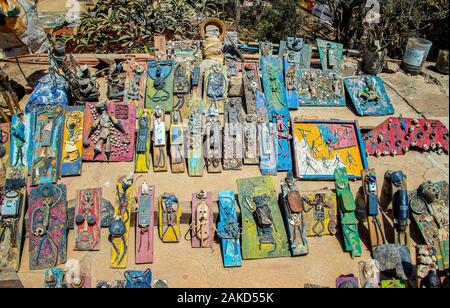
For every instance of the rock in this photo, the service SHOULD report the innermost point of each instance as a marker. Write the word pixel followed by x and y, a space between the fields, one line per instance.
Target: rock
pixel 394 257
pixel 391 67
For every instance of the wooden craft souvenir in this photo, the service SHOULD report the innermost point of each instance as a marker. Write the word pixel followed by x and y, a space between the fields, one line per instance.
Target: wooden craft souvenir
pixel 265 49
pixel 120 227
pixel 116 82
pixel 233 137
pixel 216 88
pixel 144 224
pixel 429 209
pixel 322 146
pixel 142 158
pixel 169 215
pixel 250 137
pixel 116 284
pixel 182 85
pixel 331 54
pixel 394 284
pixel 252 84
pixel 12 217
pixel 48 135
pixel 369 274
pixel 212 31
pixel 194 144
pixel 160 47
pixel 72 150
pixel 347 282
pixel 176 142
pixel 274 86
pixel 87 219
pixel 135 83
pixel 266 138
pixel 347 212
pixel 429 276
pixel 109 132
pixel 5 129
pixel 185 51
pixel 395 197
pixel 320 210
pixel 202 225
pixel 213 142
pixel 138 279
pixel 159 141
pixel 299 51
pixel 293 213
pixel 263 232
pixel 54 279
pixel 374 212
pixel 228 229
pixel 22 140
pixel 160 85
pixel 397 136
pixel 47 219
pixel 283 139
pixel 368 95
pixel 318 88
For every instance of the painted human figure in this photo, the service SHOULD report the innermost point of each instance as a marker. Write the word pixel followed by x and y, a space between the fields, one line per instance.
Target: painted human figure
pixel 18 132
pixel 319 205
pixel 282 133
pixel 105 124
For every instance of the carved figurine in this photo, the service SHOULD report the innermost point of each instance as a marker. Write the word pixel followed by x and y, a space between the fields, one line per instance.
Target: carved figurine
pixel 109 132
pixel 293 211
pixel 228 229
pixel 169 218
pixel 213 32
pixel 176 142
pixel 347 208
pixel 201 228
pixel 143 141
pixel 120 226
pixel 159 141
pixel 145 224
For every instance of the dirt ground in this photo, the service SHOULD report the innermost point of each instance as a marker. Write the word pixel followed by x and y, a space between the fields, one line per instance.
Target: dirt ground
pixel 184 267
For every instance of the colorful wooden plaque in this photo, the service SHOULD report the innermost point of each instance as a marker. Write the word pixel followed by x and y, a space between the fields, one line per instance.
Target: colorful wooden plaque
pixel 283 142
pixel 176 142
pixel 159 90
pixel 397 136
pixel 318 88
pixel 266 138
pixel 250 136
pixel 142 158
pixel 213 142
pixel 368 95
pixel 298 51
pixel 347 213
pixel 12 217
pixel 374 212
pixel 47 218
pixel 109 132
pixel 159 141
pixel 120 227
pixel 22 140
pixel 194 144
pixel 216 88
pixel 228 229
pixel 202 226
pixel 263 232
pixel 144 224
pixel 429 209
pixel 293 214
pixel 292 82
pixel 331 54
pixel 274 86
pixel 5 129
pixel 182 85
pixel 233 137
pixel 265 49
pixel 322 146
pixel 72 150
pixel 169 215
pixel 48 135
pixel 138 279
pixel 135 83
pixel 252 84
pixel 87 219
pixel 320 213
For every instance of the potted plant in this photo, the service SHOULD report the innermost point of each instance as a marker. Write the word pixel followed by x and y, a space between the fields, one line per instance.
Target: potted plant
pixel 374 56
